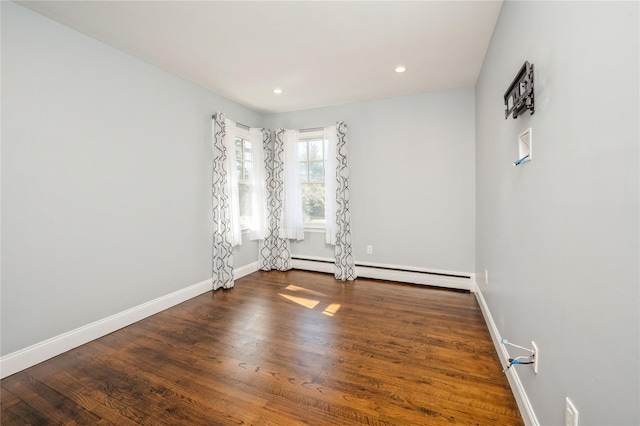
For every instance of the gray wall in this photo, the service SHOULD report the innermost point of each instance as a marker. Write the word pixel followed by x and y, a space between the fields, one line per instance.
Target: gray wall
pixel 412 171
pixel 106 177
pixel 106 195
pixel 559 235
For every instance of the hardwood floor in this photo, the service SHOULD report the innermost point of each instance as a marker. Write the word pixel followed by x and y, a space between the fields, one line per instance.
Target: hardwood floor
pixel 280 348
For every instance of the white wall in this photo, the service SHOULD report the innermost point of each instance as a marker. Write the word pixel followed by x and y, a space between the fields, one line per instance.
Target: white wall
pixel 412 171
pixel 106 177
pixel 559 235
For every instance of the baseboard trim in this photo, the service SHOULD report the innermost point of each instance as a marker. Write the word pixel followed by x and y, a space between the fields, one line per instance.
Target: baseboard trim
pixel 403 274
pixel 35 354
pixel 526 409
pixel 245 270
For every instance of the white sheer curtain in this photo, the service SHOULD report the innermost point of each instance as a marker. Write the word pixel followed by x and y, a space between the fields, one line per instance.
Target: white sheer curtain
pixel 232 182
pixel 330 203
pixel 292 225
pixel 257 184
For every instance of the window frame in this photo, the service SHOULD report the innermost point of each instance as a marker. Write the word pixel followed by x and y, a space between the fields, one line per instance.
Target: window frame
pixel 308 136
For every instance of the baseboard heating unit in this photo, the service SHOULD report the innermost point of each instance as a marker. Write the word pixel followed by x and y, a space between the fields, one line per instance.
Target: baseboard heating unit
pixel 437 278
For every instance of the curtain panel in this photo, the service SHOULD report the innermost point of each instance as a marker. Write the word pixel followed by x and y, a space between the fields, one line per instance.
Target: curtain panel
pixel 276 202
pixel 274 251
pixel 229 140
pixel 260 141
pixel 222 258
pixel 291 222
pixel 337 209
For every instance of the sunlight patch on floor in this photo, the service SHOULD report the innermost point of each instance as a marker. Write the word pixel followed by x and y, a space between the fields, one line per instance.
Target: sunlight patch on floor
pixel 292 287
pixel 303 301
pixel 309 302
pixel 331 309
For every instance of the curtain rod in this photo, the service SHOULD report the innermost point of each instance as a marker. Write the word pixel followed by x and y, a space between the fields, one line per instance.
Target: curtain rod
pixel 244 126
pixel 312 129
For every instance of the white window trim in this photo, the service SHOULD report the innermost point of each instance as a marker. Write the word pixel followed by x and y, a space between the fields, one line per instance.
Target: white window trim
pixel 313 228
pixel 313 135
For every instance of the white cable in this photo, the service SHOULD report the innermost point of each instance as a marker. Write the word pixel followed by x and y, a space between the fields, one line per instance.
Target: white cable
pixel 506 342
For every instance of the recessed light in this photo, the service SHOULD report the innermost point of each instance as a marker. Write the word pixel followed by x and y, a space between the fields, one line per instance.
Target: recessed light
pixel 277 91
pixel 400 69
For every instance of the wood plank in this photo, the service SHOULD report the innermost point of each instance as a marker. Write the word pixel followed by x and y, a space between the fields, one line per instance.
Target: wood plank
pixel 281 348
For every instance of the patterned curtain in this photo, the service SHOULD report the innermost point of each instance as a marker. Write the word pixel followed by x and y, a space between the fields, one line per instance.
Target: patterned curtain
pixel 345 265
pixel 274 252
pixel 222 260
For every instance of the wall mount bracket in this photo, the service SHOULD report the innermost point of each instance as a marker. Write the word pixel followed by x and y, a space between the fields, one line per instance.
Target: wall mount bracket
pixel 519 96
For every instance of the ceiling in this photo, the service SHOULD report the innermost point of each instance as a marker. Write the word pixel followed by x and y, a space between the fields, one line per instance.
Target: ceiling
pixel 319 53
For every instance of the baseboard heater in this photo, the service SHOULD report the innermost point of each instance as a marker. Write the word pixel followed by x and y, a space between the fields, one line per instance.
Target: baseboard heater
pixel 392 273
pixel 414 271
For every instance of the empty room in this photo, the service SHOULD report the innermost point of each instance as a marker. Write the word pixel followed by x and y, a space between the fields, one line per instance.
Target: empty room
pixel 320 212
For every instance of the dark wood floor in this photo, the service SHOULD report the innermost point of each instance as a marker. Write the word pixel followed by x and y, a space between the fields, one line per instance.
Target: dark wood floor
pixel 280 348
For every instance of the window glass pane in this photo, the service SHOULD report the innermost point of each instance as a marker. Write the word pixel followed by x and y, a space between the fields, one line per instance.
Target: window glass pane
pixel 245 203
pixel 244 167
pixel 313 203
pixel 248 169
pixel 304 172
pixel 316 171
pixel 311 156
pixel 315 150
pixel 302 151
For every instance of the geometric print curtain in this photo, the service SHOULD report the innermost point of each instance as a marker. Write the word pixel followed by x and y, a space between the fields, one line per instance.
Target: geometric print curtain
pixel 222 260
pixel 345 265
pixel 274 252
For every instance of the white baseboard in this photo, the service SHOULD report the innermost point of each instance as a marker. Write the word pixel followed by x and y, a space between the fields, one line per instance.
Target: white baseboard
pixel 35 354
pixel 526 409
pixel 245 270
pixel 432 277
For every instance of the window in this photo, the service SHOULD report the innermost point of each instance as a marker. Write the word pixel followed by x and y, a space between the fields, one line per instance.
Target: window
pixel 311 150
pixel 244 167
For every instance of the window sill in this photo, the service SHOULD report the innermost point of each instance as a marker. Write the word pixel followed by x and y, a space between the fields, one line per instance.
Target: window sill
pixel 310 229
pixel 314 229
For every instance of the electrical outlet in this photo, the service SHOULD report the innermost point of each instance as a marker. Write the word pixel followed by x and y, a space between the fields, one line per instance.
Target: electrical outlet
pixel 486 277
pixel 535 356
pixel 570 413
pixel 369 249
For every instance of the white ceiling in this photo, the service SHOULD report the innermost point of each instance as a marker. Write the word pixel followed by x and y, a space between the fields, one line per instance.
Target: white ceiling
pixel 319 52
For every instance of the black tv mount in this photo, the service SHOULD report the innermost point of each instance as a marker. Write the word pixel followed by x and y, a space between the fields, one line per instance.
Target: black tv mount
pixel 519 96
